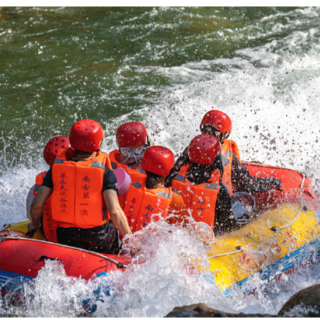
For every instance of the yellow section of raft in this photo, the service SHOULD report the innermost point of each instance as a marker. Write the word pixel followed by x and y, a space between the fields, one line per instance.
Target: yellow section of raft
pixel 23 227
pixel 239 254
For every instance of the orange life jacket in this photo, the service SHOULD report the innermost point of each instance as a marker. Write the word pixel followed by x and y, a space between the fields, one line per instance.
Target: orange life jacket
pixel 229 148
pixel 141 205
pixel 200 199
pixel 49 225
pixel 77 199
pixel 137 175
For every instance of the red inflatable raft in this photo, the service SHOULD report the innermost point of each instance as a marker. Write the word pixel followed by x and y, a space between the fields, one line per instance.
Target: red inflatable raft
pixel 21 256
pixel 295 184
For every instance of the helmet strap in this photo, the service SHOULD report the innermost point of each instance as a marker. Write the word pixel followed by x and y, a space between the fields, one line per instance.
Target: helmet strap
pixel 130 158
pixel 209 129
pixel 225 136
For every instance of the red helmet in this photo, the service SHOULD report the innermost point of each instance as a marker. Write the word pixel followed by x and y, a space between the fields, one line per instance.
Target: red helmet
pixel 86 135
pixel 52 147
pixel 203 149
pixel 158 160
pixel 131 134
pixel 219 120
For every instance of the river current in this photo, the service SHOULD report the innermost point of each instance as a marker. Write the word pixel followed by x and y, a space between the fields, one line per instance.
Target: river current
pixel 165 67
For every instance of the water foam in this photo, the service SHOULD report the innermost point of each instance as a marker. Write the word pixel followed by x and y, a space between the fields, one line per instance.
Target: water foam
pixel 161 277
pixel 271 96
pixel 14 187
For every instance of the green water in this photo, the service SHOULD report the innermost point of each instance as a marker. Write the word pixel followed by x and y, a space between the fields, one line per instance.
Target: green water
pixel 59 65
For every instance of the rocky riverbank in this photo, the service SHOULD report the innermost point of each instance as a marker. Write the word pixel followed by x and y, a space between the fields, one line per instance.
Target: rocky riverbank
pixel 305 303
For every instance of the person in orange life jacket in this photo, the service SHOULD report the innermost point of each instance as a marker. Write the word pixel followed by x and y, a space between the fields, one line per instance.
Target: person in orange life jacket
pixel 148 201
pixel 79 181
pixel 132 140
pixel 200 184
pixel 48 225
pixel 236 176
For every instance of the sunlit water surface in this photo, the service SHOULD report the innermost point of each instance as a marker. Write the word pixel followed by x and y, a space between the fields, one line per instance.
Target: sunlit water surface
pixel 165 67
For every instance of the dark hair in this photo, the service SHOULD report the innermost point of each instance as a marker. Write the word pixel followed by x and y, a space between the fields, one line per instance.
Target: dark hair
pixel 209 129
pixel 85 153
pixel 152 179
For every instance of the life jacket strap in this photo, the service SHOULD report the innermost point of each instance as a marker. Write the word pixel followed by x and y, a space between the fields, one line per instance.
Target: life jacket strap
pixel 56 160
pixel 136 185
pixel 211 186
pixel 179 177
pixel 98 164
pixel 163 194
pixel 225 161
pixel 227 154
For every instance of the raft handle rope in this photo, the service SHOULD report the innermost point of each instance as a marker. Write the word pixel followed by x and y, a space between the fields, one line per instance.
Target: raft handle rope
pixel 119 264
pixel 239 249
pixel 302 207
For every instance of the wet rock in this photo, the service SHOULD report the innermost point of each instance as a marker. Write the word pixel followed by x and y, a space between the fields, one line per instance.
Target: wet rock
pixel 305 303
pixel 202 310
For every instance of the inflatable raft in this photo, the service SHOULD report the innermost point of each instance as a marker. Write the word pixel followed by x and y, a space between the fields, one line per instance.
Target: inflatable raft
pixel 21 257
pixel 284 235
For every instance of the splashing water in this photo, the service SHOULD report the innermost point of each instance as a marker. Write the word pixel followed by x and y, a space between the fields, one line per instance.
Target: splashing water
pixel 161 276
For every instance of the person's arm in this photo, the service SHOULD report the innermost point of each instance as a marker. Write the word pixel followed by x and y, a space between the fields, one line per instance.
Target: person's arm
pixel 242 181
pixel 224 218
pixel 117 215
pixel 29 200
pixel 177 211
pixel 36 207
pixel 181 161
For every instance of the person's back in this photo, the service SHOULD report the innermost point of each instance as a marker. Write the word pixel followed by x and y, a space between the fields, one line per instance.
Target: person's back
pixel 80 182
pixel 200 184
pixel 152 201
pixel 48 225
pixel 77 196
pixel 218 124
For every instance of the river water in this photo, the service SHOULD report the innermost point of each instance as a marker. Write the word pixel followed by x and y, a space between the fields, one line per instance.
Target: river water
pixel 165 67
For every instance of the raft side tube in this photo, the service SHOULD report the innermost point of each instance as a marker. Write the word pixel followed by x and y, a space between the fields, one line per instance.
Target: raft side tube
pixel 26 257
pixel 272 236
pixel 291 184
pixel 21 227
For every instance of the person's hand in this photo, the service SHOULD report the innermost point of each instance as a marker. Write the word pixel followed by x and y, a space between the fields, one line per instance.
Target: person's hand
pixel 246 218
pixel 203 232
pixel 32 227
pixel 276 183
pixel 130 245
